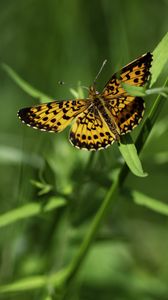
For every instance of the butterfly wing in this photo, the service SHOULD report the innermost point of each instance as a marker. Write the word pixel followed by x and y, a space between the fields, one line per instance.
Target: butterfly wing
pixel 135 73
pixel 127 110
pixel 90 131
pixel 54 116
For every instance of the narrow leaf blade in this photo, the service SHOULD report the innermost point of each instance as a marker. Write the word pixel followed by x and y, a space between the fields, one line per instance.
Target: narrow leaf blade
pixel 130 155
pixel 30 210
pixel 160 58
pixel 149 202
pixel 25 86
pixel 138 91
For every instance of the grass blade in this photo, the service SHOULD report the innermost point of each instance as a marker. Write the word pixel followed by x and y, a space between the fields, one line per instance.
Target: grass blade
pixel 25 86
pixel 160 58
pixel 130 155
pixel 150 203
pixel 30 210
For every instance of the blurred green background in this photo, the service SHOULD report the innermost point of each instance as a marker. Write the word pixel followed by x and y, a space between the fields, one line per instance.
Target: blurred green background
pixel 49 41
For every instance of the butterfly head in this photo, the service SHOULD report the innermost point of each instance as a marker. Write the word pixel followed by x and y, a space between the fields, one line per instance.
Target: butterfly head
pixel 93 92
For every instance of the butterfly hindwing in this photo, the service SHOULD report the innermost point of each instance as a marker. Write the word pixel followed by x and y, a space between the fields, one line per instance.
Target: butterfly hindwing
pixel 54 116
pixel 90 131
pixel 127 112
pixel 130 116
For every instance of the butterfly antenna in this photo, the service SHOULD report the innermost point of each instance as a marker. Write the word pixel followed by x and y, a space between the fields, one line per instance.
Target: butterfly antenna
pixel 101 68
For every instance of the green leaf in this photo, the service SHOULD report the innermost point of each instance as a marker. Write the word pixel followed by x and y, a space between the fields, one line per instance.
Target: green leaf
pixel 24 284
pixel 74 93
pixel 159 90
pixel 30 210
pixel 36 282
pixel 79 92
pixel 25 86
pixel 139 91
pixel 151 203
pixel 130 155
pixel 160 58
pixel 44 188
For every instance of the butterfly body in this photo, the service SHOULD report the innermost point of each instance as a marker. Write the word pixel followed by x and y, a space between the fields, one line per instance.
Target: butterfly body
pixel 100 119
pixel 100 105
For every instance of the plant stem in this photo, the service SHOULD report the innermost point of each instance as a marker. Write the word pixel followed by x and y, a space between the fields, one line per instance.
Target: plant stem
pixel 78 259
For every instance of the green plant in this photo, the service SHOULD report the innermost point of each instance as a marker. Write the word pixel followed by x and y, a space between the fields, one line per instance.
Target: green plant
pixel 61 280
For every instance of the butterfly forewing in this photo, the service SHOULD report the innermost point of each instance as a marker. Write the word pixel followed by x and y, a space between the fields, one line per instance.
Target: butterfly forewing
pixel 136 73
pixel 54 116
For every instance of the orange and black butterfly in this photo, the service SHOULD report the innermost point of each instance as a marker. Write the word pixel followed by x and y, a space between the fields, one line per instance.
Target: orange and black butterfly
pixel 100 119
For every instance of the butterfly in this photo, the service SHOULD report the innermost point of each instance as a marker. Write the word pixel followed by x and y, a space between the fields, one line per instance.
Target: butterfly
pixel 100 119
